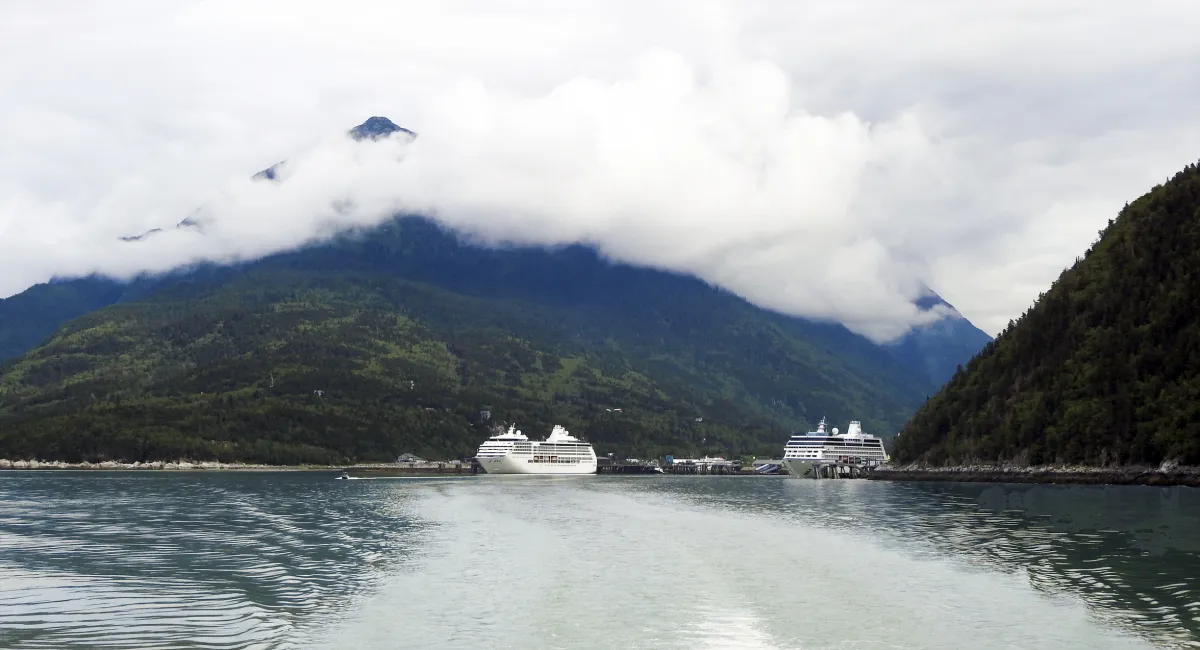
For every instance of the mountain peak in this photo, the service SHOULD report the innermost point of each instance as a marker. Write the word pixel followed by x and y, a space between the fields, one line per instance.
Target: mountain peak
pixel 929 299
pixel 377 127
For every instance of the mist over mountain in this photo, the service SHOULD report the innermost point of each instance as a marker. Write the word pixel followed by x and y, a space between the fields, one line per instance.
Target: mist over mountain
pixel 533 334
pixel 941 340
pixel 940 347
pixel 768 206
pixel 748 144
pixel 378 127
pixel 706 352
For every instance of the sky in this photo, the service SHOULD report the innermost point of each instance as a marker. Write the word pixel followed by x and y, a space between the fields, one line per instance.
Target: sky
pixel 822 159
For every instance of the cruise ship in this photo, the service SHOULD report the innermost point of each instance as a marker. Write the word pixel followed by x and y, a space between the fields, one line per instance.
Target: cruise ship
pixel 806 450
pixel 512 452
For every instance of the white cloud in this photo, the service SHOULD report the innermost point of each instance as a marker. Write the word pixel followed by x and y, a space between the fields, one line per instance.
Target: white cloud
pixel 817 159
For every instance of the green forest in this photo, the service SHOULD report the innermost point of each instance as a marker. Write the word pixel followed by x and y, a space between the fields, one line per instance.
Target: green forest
pixel 1103 370
pixel 288 366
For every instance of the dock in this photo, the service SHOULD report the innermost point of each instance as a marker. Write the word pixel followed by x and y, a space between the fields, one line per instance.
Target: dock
pixel 705 469
pixel 413 469
pixel 627 468
pixel 843 470
pixel 733 469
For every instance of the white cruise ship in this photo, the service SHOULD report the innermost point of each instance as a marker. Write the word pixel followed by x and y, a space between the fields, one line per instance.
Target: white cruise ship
pixel 804 450
pixel 514 453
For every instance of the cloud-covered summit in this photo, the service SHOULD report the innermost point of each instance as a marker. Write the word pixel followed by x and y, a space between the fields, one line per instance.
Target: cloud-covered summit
pixel 378 127
pixel 380 170
pixel 823 162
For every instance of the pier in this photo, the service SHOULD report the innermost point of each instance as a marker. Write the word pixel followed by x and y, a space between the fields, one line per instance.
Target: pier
pixel 842 470
pixel 450 468
pixel 705 469
pixel 685 468
pixel 627 468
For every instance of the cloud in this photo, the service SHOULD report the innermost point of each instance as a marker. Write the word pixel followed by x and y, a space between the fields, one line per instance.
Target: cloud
pixel 822 161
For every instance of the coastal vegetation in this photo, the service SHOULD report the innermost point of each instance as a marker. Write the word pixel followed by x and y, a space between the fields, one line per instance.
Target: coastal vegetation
pixel 1103 370
pixel 272 364
pixel 26 319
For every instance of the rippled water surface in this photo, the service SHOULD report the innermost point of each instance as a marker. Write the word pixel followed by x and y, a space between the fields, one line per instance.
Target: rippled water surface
pixel 298 560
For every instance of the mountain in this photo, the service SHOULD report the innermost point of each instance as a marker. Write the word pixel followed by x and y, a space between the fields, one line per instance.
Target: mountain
pixel 1103 370
pixel 377 127
pixel 27 318
pixel 940 347
pixel 374 128
pixel 223 361
pixel 537 335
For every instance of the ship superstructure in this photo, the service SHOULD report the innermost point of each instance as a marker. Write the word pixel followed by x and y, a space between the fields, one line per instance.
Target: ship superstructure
pixel 512 452
pixel 806 451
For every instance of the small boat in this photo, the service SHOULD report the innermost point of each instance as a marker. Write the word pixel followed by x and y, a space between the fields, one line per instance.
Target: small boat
pixel 344 477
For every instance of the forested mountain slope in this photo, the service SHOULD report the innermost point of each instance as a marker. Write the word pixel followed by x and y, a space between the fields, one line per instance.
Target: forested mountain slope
pixel 225 365
pixel 1104 369
pixel 27 318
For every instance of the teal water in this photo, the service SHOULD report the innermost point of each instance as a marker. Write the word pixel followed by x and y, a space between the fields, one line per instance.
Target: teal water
pixel 298 560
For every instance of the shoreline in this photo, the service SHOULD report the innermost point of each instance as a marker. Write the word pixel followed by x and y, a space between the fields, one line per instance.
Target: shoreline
pixel 160 466
pixel 1152 476
pixel 216 466
pixel 437 468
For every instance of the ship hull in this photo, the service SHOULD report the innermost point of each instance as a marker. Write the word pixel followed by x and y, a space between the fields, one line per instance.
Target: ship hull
pixel 799 468
pixel 511 465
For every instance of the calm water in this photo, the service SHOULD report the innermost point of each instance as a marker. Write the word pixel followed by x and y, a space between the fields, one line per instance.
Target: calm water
pixel 293 560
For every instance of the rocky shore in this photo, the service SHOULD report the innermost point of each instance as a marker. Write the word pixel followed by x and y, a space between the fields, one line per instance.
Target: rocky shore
pixel 179 465
pixel 1166 474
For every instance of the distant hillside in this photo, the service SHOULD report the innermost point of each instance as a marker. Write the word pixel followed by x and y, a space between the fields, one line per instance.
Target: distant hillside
pixel 29 317
pixel 1103 370
pixel 227 368
pixel 940 347
pixel 773 372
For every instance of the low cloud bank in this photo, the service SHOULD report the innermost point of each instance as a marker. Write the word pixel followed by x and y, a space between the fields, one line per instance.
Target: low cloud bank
pixel 718 176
